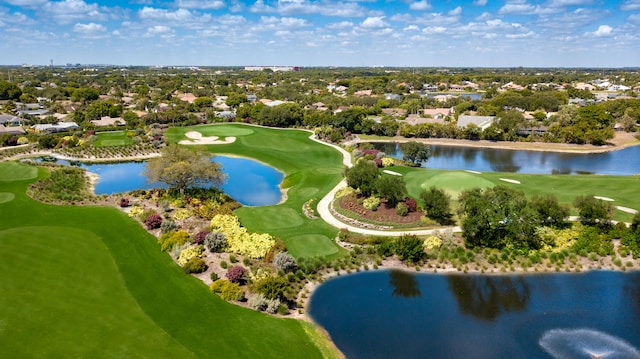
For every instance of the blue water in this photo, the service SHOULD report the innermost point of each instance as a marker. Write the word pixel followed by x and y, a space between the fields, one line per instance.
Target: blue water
pixel 393 314
pixel 622 162
pixel 248 182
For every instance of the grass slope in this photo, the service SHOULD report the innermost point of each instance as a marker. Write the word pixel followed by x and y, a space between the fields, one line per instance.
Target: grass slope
pixel 90 282
pixel 113 138
pixel 312 170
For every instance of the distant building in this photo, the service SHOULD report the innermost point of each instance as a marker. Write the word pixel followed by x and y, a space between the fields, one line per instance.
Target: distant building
pixel 272 68
pixel 56 127
pixel 109 121
pixel 481 121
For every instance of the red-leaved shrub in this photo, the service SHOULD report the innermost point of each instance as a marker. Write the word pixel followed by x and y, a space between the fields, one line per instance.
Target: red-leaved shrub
pixel 235 274
pixel 124 202
pixel 411 204
pixel 200 236
pixel 153 221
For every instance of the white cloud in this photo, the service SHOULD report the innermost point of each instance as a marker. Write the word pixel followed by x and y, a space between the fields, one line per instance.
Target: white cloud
pixel 434 30
pixel 305 7
pixel 90 28
pixel 603 30
pixel 26 3
pixel 479 2
pixel 411 28
pixel 340 25
pixel 374 22
pixel 635 18
pixel 630 5
pixel 200 4
pixel 69 10
pixel 563 3
pixel 455 12
pixel 420 5
pixel 160 30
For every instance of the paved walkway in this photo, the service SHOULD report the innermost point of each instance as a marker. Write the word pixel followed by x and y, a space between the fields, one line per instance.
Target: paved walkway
pixel 325 204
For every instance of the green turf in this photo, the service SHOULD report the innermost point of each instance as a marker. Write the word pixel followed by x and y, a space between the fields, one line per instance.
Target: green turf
pixel 13 171
pixel 301 245
pixel 90 282
pixel 6 197
pixel 452 182
pixel 112 139
pixel 311 169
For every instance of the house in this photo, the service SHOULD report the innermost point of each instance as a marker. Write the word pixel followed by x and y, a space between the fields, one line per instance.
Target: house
pixel 437 113
pixel 481 121
pixel 252 98
pixel 511 86
pixel 584 86
pixel 226 115
pixel 10 120
pixel 13 130
pixel 392 96
pixel 417 120
pixel 430 87
pixel 55 127
pixel 109 121
pixel 362 93
pixel 397 112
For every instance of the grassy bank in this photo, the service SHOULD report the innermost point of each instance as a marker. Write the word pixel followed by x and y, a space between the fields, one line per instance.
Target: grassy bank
pixel 90 282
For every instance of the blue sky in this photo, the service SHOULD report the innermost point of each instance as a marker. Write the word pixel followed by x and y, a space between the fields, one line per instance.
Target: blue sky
pixel 421 33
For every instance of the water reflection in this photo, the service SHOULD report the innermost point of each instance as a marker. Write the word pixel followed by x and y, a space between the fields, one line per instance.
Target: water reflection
pixel 486 297
pixel 620 162
pixel 586 343
pixel 404 284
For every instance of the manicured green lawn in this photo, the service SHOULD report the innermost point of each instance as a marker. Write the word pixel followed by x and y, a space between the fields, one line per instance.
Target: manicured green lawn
pixel 90 282
pixel 311 170
pixel 113 138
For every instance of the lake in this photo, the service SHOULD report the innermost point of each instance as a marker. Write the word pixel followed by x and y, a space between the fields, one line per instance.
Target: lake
pixel 622 162
pixel 398 314
pixel 248 182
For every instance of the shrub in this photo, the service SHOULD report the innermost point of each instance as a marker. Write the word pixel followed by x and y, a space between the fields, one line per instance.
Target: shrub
pixel 124 202
pixel 168 226
pixel 254 245
pixel 236 274
pixel 257 302
pixel 227 290
pixel 344 191
pixel 388 161
pixel 412 204
pixel 271 287
pixel 371 203
pixel 181 214
pixel 432 242
pixel 215 242
pixel 272 305
pixel 224 265
pixel 201 236
pixel 153 221
pixel 135 211
pixel 284 261
pixel 213 276
pixel 189 253
pixel 409 248
pixel 401 210
pixel 195 265
pixel 169 239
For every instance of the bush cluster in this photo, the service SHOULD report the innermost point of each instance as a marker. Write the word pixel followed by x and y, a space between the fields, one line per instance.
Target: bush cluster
pixel 153 221
pixel 227 290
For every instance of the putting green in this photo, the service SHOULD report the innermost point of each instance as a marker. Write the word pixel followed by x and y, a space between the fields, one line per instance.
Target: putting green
pixel 14 171
pixel 6 197
pixel 456 182
pixel 223 131
pixel 329 171
pixel 307 192
pixel 311 245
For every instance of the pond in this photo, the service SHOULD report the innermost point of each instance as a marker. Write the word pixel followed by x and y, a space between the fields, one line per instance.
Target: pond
pixel 248 182
pixel 398 314
pixel 621 162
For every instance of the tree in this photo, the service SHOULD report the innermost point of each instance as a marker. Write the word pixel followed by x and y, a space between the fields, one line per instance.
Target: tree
pixel 181 168
pixel 550 212
pixel 594 211
pixel 415 152
pixel 437 204
pixel 362 176
pixel 9 91
pixel 392 188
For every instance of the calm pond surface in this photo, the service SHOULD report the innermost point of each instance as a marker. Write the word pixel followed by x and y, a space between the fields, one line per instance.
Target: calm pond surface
pixel 621 162
pixel 398 314
pixel 248 182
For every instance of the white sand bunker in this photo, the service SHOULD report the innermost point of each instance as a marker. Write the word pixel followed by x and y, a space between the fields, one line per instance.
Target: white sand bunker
pixel 392 173
pixel 474 172
pixel 604 198
pixel 627 209
pixel 509 180
pixel 196 138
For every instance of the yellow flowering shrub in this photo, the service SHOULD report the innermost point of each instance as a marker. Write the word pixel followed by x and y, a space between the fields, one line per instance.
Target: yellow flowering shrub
pixel 181 214
pixel 260 274
pixel 371 203
pixel 239 240
pixel 557 239
pixel 170 239
pixel 432 242
pixel 189 253
pixel 344 191
pixel 388 161
pixel 135 211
